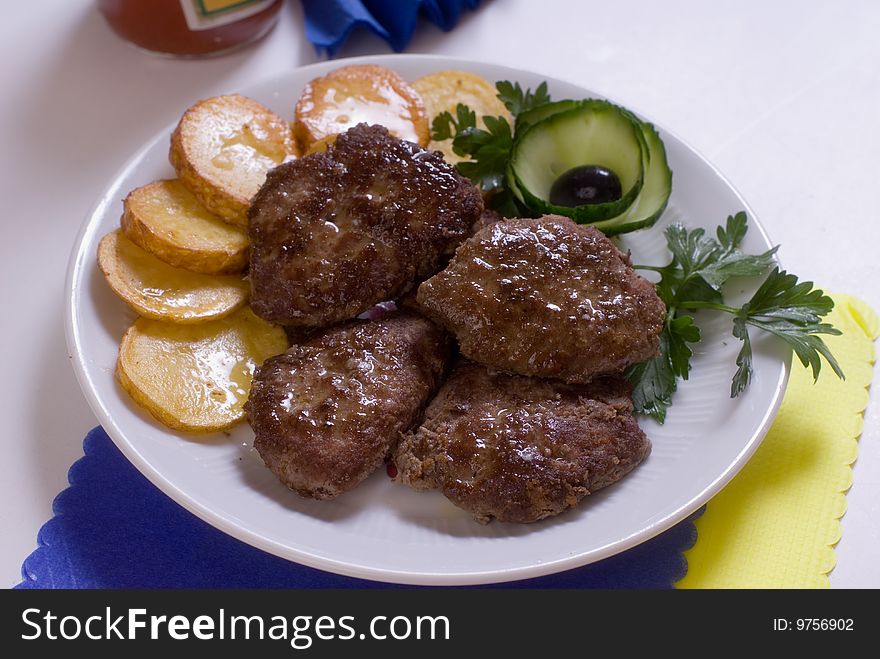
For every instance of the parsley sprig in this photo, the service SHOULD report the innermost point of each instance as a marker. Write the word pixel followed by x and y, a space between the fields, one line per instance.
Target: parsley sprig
pixel 517 101
pixel 488 151
pixel 693 280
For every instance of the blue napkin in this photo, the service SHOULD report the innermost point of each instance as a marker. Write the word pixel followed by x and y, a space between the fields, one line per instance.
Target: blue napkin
pixel 329 22
pixel 114 529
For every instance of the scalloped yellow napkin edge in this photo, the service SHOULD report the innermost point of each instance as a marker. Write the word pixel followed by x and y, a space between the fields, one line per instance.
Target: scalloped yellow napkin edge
pixel 776 523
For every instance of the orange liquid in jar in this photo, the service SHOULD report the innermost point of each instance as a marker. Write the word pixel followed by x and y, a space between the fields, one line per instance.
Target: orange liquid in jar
pixel 161 25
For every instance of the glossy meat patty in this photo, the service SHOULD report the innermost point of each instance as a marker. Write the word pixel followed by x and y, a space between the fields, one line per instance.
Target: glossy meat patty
pixel 519 449
pixel 334 233
pixel 546 297
pixel 327 412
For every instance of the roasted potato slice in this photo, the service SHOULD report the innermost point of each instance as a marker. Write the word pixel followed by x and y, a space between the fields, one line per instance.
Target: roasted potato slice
pixel 222 149
pixel 359 93
pixel 444 90
pixel 167 220
pixel 321 145
pixel 196 377
pixel 162 292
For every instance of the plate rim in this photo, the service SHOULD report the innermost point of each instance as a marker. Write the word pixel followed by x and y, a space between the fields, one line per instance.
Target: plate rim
pixel 89 388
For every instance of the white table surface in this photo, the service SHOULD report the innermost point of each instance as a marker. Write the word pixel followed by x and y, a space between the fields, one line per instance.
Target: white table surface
pixel 783 96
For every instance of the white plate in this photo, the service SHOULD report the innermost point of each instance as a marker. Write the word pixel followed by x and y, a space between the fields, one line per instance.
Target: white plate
pixel 387 532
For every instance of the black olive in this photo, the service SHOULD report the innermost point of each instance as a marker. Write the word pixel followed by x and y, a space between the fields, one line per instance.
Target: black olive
pixel 586 184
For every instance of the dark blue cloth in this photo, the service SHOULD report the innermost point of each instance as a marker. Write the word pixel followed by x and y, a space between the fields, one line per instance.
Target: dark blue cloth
pixel 329 22
pixel 113 529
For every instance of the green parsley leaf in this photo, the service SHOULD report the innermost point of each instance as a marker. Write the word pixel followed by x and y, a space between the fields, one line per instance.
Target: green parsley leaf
pixel 696 288
pixel 441 127
pixel 517 101
pixel 488 150
pixel 743 376
pixel 781 296
pixel 504 203
pixel 443 124
pixel 793 312
pixel 705 262
pixel 730 261
pixel 691 250
pixel 694 279
pixel 737 265
pixel 681 331
pixel 653 383
pixel 732 234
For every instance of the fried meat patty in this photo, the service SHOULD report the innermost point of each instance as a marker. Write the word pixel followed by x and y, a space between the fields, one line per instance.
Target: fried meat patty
pixel 546 297
pixel 334 233
pixel 488 217
pixel 408 300
pixel 327 412
pixel 519 449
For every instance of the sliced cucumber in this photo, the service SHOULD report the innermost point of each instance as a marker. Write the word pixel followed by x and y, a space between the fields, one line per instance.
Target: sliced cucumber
pixel 654 195
pixel 541 112
pixel 593 132
pixel 511 185
pixel 635 211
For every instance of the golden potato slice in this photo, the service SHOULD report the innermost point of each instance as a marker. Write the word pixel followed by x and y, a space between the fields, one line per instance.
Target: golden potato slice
pixel 359 93
pixel 167 220
pixel 222 149
pixel 196 377
pixel 321 145
pixel 444 90
pixel 162 292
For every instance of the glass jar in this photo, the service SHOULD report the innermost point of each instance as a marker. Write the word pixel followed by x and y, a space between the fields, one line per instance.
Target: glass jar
pixel 190 28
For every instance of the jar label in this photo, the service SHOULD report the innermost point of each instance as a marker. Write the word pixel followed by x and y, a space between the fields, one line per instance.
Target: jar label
pixel 209 14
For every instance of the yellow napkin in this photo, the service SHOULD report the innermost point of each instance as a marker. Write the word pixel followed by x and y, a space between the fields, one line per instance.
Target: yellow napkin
pixel 775 525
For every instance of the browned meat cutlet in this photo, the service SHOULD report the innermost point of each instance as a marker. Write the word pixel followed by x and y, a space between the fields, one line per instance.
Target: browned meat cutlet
pixel 327 412
pixel 334 233
pixel 546 297
pixel 488 217
pixel 519 449
pixel 408 300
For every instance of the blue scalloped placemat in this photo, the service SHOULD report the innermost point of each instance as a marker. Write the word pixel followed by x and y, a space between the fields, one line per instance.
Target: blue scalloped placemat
pixel 329 22
pixel 113 529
